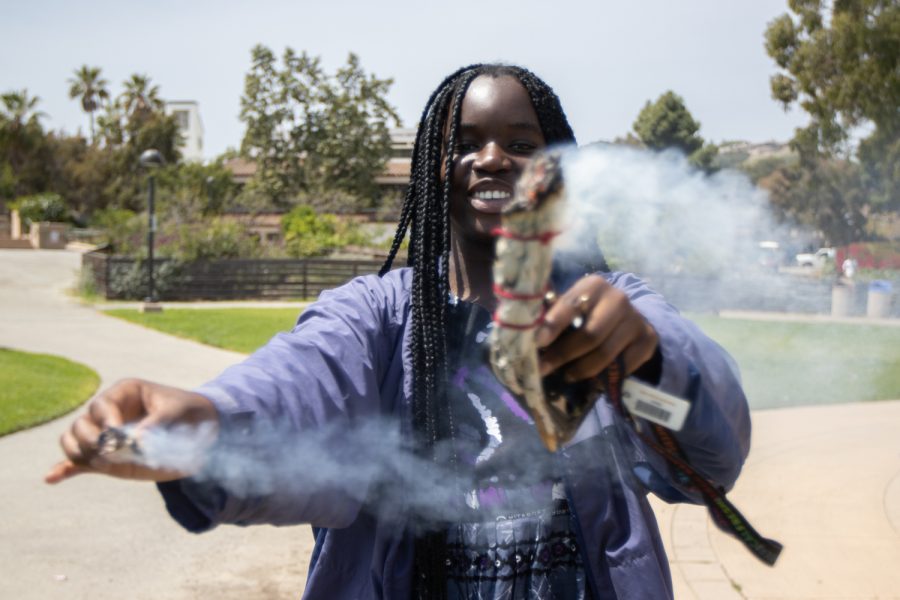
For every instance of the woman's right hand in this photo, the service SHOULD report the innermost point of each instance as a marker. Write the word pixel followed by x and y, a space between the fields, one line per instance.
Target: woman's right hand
pixel 131 401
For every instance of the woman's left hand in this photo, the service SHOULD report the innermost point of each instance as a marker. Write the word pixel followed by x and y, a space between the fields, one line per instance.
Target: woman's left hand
pixel 610 326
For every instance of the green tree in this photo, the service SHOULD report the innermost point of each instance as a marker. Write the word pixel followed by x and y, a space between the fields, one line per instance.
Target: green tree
pixel 191 191
pixel 90 88
pixel 151 130
pixel 111 124
pixel 140 98
pixel 667 123
pixel 310 132
pixel 827 194
pixel 23 156
pixel 80 171
pixel 839 62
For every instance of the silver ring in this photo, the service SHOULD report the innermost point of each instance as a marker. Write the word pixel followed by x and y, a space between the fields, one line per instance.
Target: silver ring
pixel 578 321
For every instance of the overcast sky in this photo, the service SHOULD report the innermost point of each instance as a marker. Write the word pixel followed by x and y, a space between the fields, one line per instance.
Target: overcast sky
pixel 604 58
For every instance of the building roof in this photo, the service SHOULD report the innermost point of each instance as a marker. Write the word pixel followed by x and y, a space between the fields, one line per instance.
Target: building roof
pixel 396 170
pixel 241 169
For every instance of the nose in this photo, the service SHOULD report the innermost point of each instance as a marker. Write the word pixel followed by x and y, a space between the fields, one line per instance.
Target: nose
pixel 492 158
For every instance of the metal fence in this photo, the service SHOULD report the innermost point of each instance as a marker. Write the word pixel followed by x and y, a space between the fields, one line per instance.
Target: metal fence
pixel 120 278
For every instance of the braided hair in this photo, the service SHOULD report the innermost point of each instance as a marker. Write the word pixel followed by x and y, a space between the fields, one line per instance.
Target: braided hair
pixel 426 215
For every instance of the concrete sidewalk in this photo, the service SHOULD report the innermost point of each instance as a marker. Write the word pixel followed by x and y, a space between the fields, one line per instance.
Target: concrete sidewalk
pixel 825 481
pixel 98 538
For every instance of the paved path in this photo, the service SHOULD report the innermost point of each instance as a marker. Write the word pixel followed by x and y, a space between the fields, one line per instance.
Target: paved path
pixel 825 481
pixel 94 537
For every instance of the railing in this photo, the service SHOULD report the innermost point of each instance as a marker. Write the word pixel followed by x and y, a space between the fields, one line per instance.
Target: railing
pixel 119 278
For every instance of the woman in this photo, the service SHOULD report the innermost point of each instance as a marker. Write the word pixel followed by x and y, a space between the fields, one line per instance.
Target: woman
pixel 568 525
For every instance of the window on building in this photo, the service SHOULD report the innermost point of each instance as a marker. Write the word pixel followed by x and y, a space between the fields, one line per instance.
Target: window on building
pixel 181 118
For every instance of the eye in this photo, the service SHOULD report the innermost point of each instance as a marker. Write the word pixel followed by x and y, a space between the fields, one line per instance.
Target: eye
pixel 522 147
pixel 466 147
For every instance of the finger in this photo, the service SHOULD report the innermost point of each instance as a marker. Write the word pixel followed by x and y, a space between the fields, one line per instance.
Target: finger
pixel 72 449
pixel 63 470
pixel 602 355
pixel 577 301
pixel 608 312
pixel 635 355
pixel 106 410
pixel 86 432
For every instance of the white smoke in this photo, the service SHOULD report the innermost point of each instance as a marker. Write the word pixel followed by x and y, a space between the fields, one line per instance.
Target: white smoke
pixel 371 463
pixel 652 212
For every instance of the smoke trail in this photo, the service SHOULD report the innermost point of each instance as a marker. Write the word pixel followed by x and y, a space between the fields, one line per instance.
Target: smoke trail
pixel 652 212
pixel 371 463
pixel 694 237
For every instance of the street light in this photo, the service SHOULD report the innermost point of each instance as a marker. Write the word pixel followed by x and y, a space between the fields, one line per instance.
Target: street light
pixel 150 160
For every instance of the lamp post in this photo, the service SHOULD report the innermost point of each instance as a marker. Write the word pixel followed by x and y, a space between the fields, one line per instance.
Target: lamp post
pixel 150 160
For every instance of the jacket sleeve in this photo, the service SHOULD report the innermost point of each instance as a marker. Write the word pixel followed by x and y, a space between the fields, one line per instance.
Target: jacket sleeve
pixel 716 435
pixel 317 382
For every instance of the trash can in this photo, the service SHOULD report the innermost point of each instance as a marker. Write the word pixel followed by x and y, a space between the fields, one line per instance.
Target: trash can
pixel 841 300
pixel 878 304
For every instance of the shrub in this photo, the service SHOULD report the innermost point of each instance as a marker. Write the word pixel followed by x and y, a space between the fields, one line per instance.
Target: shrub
pixel 307 233
pixel 125 230
pixel 41 207
pixel 214 240
pixel 129 281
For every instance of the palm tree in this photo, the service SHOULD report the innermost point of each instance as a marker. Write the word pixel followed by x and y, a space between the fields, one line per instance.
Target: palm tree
pixel 139 96
pixel 21 139
pixel 18 109
pixel 91 88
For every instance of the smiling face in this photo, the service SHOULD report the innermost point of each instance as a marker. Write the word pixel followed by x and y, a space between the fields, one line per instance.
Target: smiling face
pixel 499 131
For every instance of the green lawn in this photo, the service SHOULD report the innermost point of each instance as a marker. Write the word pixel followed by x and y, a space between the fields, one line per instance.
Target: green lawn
pixel 240 329
pixel 40 387
pixel 792 364
pixel 783 364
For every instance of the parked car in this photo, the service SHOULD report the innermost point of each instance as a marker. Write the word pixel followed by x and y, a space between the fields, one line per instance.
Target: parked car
pixel 816 259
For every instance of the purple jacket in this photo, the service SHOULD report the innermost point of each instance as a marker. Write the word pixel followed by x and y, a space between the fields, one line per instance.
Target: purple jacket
pixel 348 359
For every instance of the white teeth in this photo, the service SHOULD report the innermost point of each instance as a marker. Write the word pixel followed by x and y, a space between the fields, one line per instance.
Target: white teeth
pixel 492 195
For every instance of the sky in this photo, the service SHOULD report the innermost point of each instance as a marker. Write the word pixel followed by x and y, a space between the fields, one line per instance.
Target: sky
pixel 604 58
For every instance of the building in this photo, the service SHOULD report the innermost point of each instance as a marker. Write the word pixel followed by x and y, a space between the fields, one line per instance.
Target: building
pixel 187 115
pixel 394 177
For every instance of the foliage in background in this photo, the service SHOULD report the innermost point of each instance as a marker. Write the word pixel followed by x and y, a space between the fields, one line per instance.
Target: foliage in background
pixel 125 229
pixel 667 123
pixel 826 194
pixel 212 240
pixel 307 233
pixel 90 88
pixel 190 192
pixel 40 207
pixel 310 131
pixel 23 154
pixel 131 281
pixel 88 176
pixel 320 137
pixel 758 169
pixel 127 183
pixel 40 387
pixel 840 62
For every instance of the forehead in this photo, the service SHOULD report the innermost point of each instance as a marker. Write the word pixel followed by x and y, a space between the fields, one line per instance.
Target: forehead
pixel 494 98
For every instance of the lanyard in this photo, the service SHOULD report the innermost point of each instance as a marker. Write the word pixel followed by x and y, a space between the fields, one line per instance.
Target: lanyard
pixel 724 514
